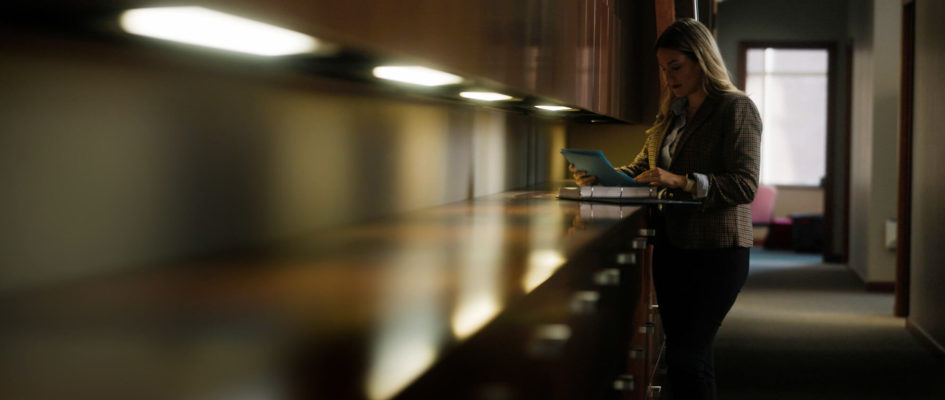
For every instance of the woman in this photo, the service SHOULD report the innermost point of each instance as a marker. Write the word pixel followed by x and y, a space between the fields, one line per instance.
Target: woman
pixel 704 145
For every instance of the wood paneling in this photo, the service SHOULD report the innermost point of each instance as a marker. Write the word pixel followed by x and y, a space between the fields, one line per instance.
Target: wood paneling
pixel 569 51
pixel 532 46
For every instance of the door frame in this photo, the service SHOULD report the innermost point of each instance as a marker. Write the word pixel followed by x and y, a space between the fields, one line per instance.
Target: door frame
pixel 835 139
pixel 904 195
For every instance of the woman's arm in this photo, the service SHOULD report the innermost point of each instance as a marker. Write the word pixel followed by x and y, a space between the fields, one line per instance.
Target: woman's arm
pixel 741 152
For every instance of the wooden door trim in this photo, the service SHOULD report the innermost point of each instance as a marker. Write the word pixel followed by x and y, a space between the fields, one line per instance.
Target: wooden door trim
pixel 904 196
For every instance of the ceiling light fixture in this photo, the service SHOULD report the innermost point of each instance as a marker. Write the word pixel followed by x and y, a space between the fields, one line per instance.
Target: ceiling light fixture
pixel 416 75
pixel 485 96
pixel 554 108
pixel 209 28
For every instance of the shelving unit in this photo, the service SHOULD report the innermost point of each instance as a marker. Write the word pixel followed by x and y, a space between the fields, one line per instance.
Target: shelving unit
pixel 515 294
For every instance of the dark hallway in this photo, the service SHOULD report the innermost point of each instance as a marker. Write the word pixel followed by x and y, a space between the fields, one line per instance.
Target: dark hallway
pixel 803 329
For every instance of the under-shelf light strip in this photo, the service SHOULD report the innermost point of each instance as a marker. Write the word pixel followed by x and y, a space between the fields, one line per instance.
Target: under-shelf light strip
pixel 416 75
pixel 204 27
pixel 210 28
pixel 548 107
pixel 485 96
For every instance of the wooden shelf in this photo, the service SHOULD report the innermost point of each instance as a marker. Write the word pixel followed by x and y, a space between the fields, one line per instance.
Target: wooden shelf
pixel 452 301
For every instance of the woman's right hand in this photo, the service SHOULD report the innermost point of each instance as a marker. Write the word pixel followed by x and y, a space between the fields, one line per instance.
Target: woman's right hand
pixel 581 177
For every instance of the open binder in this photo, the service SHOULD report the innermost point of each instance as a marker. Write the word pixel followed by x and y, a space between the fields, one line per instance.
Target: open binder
pixel 608 192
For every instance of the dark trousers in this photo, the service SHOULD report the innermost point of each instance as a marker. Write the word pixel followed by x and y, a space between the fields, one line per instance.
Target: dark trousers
pixel 695 290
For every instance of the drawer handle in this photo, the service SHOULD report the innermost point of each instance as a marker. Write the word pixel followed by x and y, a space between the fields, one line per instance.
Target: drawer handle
pixel 624 383
pixel 655 392
pixel 607 277
pixel 549 341
pixel 584 302
pixel 626 259
pixel 647 329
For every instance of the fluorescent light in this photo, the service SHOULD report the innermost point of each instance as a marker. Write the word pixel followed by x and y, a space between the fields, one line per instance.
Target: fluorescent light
pixel 485 96
pixel 416 75
pixel 205 27
pixel 554 108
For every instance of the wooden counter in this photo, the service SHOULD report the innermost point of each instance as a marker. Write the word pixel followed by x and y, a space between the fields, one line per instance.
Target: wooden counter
pixel 511 296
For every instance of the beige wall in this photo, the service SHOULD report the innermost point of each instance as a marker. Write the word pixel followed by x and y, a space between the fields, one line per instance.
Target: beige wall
pixel 861 28
pixel 619 142
pixel 798 200
pixel 927 284
pixel 875 27
pixel 114 158
pixel 885 179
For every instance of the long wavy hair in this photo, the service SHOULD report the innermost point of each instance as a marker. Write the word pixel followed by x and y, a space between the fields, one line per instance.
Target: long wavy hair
pixel 693 39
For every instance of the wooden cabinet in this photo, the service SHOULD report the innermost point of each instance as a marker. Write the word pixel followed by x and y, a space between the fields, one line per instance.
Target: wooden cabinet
pixel 563 50
pixel 592 54
pixel 511 296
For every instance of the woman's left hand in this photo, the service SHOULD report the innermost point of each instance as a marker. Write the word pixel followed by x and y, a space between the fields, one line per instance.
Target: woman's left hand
pixel 662 178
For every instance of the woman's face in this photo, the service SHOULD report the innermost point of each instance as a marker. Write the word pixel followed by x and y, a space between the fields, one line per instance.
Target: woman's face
pixel 683 75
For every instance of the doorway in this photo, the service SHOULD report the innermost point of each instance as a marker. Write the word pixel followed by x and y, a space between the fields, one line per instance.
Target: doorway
pixel 794 85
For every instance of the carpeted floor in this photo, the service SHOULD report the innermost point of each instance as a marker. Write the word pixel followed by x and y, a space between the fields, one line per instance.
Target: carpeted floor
pixel 802 329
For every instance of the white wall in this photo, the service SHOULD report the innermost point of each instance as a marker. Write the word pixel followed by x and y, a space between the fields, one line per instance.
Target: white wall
pixel 875 28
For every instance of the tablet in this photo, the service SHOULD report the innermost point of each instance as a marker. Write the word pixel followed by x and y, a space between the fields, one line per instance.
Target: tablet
pixel 594 162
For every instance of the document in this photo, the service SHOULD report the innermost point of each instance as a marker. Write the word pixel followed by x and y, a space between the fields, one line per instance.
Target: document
pixel 594 162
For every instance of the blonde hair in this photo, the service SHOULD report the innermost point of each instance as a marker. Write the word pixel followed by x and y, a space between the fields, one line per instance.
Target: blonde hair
pixel 693 39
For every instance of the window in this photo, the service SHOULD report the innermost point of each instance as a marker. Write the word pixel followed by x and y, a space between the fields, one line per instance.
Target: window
pixel 789 86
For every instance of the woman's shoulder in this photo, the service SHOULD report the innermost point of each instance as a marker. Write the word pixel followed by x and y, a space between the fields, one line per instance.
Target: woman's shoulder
pixel 737 102
pixel 734 98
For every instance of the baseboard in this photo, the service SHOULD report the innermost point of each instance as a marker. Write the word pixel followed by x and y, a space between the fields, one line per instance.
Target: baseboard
pixel 926 340
pixel 881 287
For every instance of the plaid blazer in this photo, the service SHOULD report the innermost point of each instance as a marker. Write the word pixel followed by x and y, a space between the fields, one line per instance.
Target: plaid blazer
pixel 723 141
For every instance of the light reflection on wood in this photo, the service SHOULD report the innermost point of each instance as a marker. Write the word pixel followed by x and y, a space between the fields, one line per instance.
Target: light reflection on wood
pixel 400 281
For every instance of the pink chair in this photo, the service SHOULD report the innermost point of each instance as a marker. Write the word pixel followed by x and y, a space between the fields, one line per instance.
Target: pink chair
pixel 762 208
pixel 762 214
